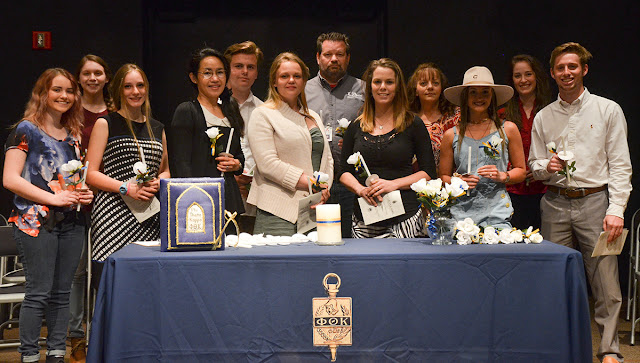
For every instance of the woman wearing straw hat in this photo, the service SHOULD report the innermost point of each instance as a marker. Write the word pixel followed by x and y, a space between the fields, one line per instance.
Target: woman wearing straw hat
pixel 483 152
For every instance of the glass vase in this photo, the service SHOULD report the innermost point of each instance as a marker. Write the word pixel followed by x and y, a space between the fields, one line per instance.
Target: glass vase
pixel 441 226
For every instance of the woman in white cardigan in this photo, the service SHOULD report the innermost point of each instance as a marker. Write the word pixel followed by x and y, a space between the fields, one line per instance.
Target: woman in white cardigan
pixel 288 142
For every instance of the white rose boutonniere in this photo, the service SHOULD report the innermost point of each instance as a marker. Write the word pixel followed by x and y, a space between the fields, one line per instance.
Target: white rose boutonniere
pixel 343 123
pixel 142 174
pixel 214 134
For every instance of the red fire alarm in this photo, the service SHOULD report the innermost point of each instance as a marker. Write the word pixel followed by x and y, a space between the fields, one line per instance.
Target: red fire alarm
pixel 42 40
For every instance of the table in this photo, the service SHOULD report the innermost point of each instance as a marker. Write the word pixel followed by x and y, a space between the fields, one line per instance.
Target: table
pixel 412 302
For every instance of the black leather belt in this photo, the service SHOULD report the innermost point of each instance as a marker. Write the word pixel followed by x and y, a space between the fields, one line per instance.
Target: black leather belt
pixel 574 193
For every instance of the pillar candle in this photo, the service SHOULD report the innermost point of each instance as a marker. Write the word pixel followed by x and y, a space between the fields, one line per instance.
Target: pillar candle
pixel 329 228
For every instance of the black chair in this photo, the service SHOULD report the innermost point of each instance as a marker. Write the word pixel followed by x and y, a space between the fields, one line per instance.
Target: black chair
pixel 11 293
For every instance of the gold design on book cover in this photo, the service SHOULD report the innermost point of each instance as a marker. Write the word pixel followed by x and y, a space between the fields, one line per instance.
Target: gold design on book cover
pixel 332 318
pixel 195 219
pixel 192 185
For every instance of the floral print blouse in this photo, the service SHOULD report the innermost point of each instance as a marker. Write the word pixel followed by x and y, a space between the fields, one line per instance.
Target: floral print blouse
pixel 437 129
pixel 45 156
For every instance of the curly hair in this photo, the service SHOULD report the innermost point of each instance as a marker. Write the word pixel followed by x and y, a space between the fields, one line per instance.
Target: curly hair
pixel 36 108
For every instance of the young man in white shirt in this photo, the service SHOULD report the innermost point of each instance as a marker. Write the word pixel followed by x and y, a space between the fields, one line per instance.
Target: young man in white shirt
pixel 244 59
pixel 575 210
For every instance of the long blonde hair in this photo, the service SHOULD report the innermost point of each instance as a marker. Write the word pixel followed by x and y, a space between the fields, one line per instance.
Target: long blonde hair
pixel 402 116
pixel 117 92
pixel 273 98
pixel 36 107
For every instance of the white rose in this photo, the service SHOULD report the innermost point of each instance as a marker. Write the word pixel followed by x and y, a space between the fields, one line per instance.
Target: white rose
pixel 459 186
pixel 551 146
pixel 353 159
pixel 139 167
pixel 463 238
pixel 420 186
pixel 212 132
pixel 468 226
pixel 495 140
pixel 431 190
pixel 444 195
pixel 435 184
pixel 344 123
pixel 321 177
pixel 517 235
pixel 505 236
pixel 536 238
pixel 490 236
pixel 71 166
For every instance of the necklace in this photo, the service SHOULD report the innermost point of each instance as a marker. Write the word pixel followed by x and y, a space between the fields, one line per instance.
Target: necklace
pixel 483 132
pixel 378 123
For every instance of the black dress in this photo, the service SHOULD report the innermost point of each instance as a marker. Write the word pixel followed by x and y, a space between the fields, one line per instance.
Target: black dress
pixel 390 156
pixel 112 224
pixel 189 151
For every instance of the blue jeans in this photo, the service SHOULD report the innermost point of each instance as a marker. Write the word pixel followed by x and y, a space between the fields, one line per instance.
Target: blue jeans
pixel 76 300
pixel 341 195
pixel 50 261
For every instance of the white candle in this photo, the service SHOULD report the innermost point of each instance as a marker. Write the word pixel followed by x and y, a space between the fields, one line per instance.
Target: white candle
pixel 328 221
pixel 84 177
pixel 229 141
pixel 469 162
pixel 365 166
pixel 564 143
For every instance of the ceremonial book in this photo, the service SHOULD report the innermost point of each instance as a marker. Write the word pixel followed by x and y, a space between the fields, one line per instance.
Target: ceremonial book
pixel 191 214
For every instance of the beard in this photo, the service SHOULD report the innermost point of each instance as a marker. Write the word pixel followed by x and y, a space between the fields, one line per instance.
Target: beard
pixel 333 73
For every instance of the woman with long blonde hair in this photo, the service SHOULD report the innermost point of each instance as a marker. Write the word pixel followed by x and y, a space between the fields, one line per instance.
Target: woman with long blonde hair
pixel 289 144
pixel 120 140
pixel 387 135
pixel 48 229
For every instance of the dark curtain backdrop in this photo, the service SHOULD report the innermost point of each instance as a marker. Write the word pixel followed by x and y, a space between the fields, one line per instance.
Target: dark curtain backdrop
pixel 159 35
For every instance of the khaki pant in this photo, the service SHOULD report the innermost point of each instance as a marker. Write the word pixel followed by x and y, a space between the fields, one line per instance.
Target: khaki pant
pixel 577 223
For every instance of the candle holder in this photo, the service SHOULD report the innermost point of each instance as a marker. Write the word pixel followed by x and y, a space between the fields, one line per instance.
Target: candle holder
pixel 328 225
pixel 371 179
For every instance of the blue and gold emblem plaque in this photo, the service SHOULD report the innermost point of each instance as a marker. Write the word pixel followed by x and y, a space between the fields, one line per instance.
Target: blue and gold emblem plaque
pixel 191 214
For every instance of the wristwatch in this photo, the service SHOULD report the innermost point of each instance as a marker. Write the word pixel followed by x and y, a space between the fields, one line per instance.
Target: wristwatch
pixel 124 188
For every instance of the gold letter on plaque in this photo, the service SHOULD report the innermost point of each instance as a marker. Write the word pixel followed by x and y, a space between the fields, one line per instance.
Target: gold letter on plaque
pixel 195 218
pixel 332 323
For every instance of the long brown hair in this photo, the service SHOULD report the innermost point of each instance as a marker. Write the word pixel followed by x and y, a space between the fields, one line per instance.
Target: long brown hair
pixel 425 72
pixel 36 107
pixel 106 95
pixel 464 115
pixel 117 91
pixel 402 116
pixel 273 98
pixel 542 92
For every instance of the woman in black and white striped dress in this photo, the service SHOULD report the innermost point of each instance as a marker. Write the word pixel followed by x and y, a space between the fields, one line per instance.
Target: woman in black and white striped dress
pixel 118 141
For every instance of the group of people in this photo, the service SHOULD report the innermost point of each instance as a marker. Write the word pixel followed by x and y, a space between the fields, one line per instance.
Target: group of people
pixel 405 132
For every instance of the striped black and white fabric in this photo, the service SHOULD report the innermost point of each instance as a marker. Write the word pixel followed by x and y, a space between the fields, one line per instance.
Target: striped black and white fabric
pixel 413 227
pixel 112 224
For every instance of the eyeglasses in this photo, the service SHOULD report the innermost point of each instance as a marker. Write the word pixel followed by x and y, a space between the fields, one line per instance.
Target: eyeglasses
pixel 208 74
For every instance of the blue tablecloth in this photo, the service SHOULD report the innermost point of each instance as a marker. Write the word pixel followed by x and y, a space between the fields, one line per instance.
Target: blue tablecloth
pixel 411 303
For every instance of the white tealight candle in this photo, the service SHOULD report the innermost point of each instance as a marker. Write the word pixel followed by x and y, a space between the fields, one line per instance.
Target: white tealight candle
pixel 329 228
